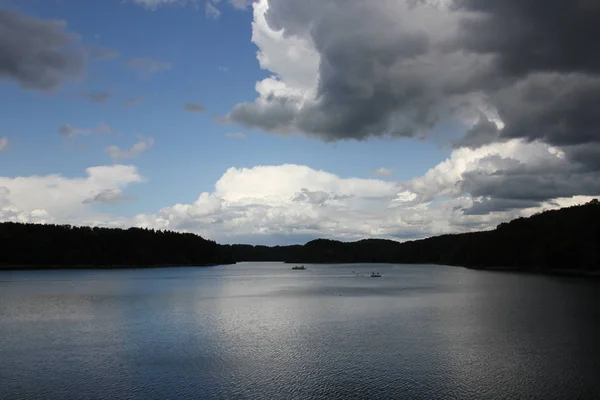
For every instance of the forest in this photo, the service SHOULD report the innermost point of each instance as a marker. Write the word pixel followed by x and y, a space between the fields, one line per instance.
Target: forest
pixel 52 246
pixel 567 239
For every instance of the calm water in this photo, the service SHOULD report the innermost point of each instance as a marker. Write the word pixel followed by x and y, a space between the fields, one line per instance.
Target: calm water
pixel 262 331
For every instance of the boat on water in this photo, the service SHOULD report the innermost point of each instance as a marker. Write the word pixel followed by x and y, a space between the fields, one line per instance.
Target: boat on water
pixel 299 267
pixel 375 275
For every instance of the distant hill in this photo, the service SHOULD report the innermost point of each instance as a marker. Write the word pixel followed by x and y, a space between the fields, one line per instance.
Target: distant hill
pixel 566 240
pixel 560 240
pixel 246 252
pixel 51 246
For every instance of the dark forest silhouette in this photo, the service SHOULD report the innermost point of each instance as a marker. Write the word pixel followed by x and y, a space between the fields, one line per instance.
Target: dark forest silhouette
pixel 559 240
pixel 567 239
pixel 69 246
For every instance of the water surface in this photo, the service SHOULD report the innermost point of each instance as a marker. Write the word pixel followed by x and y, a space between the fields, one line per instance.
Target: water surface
pixel 261 330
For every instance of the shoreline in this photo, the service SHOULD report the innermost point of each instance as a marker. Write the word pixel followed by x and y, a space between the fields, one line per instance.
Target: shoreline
pixel 574 273
pixel 14 267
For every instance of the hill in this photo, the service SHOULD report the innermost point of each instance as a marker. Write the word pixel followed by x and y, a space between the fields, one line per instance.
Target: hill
pixel 567 240
pixel 246 252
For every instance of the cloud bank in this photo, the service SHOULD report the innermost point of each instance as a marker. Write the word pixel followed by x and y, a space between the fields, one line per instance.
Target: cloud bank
pixel 351 70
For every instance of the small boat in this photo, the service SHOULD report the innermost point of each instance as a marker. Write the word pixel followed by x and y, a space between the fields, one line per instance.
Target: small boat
pixel 297 267
pixel 375 275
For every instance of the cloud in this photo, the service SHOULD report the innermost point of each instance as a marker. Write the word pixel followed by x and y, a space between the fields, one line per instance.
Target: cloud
pixel 483 132
pixel 147 66
pixel 556 108
pixel 223 69
pixel 134 101
pixel 555 37
pixel 68 131
pixel 38 54
pixel 211 10
pixel 279 200
pixel 107 196
pixel 334 81
pixel 96 96
pixel 3 143
pixel 116 154
pixel 155 4
pixel 236 135
pixel 240 4
pixel 194 108
pixel 102 53
pixel 351 70
pixel 384 172
pixel 58 199
pixel 505 176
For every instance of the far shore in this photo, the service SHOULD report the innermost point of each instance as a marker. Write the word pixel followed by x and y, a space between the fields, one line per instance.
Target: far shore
pixel 97 267
pixel 576 273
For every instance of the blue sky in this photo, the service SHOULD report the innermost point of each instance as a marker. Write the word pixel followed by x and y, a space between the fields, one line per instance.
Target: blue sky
pixel 162 55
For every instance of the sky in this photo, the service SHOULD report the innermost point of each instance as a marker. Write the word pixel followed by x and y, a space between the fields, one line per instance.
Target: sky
pixel 281 121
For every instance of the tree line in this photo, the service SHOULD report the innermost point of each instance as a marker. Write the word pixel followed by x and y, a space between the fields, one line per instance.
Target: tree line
pixel 565 239
pixel 54 246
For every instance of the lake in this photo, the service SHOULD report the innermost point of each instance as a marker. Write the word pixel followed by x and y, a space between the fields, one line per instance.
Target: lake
pixel 263 331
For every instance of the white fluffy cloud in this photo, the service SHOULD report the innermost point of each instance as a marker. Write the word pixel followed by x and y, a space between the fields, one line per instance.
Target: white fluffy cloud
pixel 267 203
pixel 60 199
pixel 281 200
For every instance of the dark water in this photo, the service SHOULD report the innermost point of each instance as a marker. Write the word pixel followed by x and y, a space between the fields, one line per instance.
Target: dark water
pixel 262 331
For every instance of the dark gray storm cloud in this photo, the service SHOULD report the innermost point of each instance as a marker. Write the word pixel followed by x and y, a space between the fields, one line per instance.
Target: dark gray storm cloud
pixel 37 54
pixel 483 132
pixel 374 75
pixel 393 68
pixel 560 109
pixel 517 185
pixel 532 35
pixel 486 206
